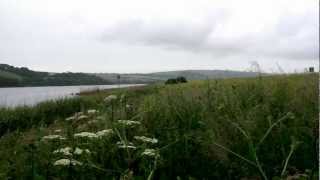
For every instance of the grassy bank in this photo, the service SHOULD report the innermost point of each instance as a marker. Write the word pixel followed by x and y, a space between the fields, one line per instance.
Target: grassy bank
pixel 254 128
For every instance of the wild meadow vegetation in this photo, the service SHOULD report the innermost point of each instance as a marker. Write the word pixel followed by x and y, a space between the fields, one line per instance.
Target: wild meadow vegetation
pixel 253 128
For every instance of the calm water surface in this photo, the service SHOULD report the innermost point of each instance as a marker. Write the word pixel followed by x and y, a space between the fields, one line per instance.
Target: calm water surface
pixel 11 97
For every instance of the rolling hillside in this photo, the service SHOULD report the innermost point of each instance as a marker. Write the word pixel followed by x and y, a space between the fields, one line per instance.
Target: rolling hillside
pixel 189 74
pixel 11 76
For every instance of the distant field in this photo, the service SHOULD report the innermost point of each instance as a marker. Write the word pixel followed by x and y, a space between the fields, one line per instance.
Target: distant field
pixel 242 128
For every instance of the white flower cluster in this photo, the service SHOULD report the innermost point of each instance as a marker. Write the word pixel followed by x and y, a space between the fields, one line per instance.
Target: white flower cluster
pixel 82 117
pixel 79 151
pixel 67 162
pixel 91 135
pixel 71 118
pixel 53 137
pixel 128 122
pixel 149 152
pixel 110 98
pixel 104 132
pixel 77 116
pixel 58 130
pixel 126 145
pixel 92 111
pixel 128 106
pixel 67 151
pixel 146 139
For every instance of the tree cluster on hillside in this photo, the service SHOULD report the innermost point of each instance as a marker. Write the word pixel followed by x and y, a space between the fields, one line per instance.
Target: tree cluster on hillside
pixel 177 80
pixel 13 76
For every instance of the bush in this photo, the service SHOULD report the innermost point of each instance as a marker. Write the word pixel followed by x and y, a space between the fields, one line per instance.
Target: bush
pixel 177 80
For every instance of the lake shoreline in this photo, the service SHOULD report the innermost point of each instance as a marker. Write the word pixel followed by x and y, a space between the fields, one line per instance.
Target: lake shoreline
pixel 30 96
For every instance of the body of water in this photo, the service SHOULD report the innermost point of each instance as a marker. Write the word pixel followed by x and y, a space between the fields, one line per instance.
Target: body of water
pixel 16 96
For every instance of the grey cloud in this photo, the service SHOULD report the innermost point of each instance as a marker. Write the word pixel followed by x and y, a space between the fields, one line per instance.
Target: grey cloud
pixel 172 36
pixel 292 37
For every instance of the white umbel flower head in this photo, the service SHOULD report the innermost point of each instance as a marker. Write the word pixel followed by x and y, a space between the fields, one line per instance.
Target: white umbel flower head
pixel 128 106
pixel 67 162
pixel 146 139
pixel 65 151
pixel 58 130
pixel 128 122
pixel 92 111
pixel 86 135
pixel 104 132
pixel 149 152
pixel 110 98
pixel 79 151
pixel 53 137
pixel 127 145
pixel 71 118
pixel 82 117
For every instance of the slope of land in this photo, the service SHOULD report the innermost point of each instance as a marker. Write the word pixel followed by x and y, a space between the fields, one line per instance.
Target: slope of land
pixel 243 128
pixel 11 76
pixel 189 74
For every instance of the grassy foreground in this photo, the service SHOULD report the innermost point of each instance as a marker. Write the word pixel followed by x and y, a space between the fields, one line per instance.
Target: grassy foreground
pixel 255 128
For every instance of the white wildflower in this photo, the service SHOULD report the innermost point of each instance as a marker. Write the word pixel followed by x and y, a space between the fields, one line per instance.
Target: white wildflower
pixel 104 132
pixel 149 152
pixel 79 151
pixel 127 145
pixel 71 118
pixel 65 151
pixel 53 137
pixel 82 117
pixel 146 139
pixel 128 106
pixel 110 98
pixel 67 162
pixel 86 134
pixel 92 111
pixel 57 130
pixel 128 122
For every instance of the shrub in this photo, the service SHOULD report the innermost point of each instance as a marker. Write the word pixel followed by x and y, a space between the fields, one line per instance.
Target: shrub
pixel 177 80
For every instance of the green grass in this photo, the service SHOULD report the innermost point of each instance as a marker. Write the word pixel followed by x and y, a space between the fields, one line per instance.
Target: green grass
pixel 254 128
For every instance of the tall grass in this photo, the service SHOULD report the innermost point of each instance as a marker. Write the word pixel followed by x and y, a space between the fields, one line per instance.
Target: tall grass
pixel 255 128
pixel 24 117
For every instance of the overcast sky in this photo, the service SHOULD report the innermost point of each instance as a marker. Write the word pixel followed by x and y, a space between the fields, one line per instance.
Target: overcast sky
pixel 147 36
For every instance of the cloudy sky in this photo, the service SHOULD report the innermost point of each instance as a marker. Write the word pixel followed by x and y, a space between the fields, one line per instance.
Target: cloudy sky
pixel 147 35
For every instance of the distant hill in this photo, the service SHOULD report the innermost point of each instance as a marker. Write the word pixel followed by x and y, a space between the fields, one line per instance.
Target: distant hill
pixel 189 74
pixel 11 76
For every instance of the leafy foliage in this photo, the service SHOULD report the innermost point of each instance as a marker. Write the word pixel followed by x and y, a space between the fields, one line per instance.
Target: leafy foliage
pixel 177 80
